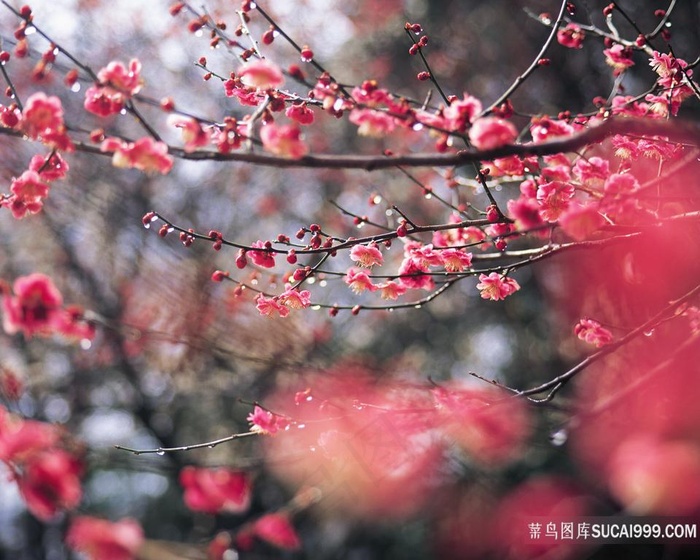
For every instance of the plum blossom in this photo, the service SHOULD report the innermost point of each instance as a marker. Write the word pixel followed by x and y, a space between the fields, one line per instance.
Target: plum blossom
pixel 34 307
pixel 193 135
pixel 269 306
pixel 216 490
pixel 554 198
pixel 621 184
pixel 300 113
pixel 266 422
pixel 28 194
pixel 283 140
pixel 50 482
pixel 591 171
pixel 526 213
pixel 293 298
pixel 571 36
pixel 99 539
pixel 263 258
pixel 391 290
pixel 619 57
pixel 42 114
pixel 545 128
pixel 593 332
pixel 117 84
pixel 414 275
pixel 359 281
pixel 366 255
pixel 126 79
pixel 580 221
pixel 372 123
pixel 145 154
pixel 461 112
pixel 50 168
pixel 492 132
pixel 455 260
pixel 260 74
pixel 496 287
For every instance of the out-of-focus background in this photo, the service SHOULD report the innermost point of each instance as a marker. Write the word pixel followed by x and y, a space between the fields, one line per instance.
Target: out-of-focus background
pixel 179 359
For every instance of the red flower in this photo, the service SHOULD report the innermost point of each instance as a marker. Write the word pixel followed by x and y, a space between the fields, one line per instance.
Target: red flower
pixel 276 529
pixel 216 490
pixel 265 422
pixel 21 440
pixel 42 114
pixel 50 482
pixel 283 140
pixel 496 287
pixel 491 132
pixel 145 154
pixel 260 74
pixel 101 540
pixel 35 306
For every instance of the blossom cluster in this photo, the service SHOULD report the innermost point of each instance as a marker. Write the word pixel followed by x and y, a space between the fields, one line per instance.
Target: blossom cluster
pixel 38 459
pixel 34 306
pixel 41 119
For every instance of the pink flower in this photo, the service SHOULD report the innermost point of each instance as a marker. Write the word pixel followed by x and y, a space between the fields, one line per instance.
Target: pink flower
pixel 260 74
pixel 580 221
pixel 391 290
pixel 263 258
pixel 21 440
pixel 554 198
pixel 193 134
pixel 372 123
pixel 269 306
pixel 461 112
pixel 414 276
pixel 496 287
pixel 300 113
pixel 620 184
pixel 424 256
pixel 51 168
pixel 42 115
pixel 544 128
pixel 491 132
pixel 571 36
pixel 276 529
pixel 117 84
pixel 101 540
pixel 51 482
pixel 216 490
pixel 122 78
pixel 366 255
pixel 619 57
pixel 265 422
pixel 294 299
pixel 20 207
pixel 359 281
pixel 103 101
pixel 592 332
pixel 592 171
pixel 455 260
pixel 145 154
pixel 526 213
pixel 245 95
pixel 28 191
pixel 283 140
pixel 35 306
